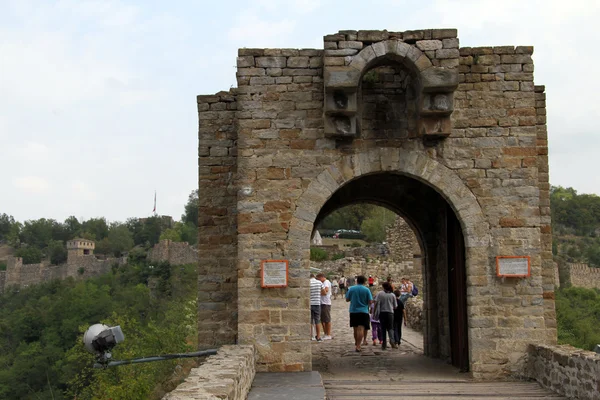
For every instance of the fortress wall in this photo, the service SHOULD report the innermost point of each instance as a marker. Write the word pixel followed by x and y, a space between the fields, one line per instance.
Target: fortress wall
pixel 379 267
pixel 175 253
pixel 584 276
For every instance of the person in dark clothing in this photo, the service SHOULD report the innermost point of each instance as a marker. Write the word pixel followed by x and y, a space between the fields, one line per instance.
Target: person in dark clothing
pixel 399 318
pixel 386 302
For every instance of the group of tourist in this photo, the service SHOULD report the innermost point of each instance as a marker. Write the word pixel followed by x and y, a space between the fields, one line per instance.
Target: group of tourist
pixel 383 315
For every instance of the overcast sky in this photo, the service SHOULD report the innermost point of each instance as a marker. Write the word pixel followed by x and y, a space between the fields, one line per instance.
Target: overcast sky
pixel 97 97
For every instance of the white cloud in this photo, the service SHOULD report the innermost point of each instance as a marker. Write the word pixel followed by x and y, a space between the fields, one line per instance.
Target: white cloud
pixel 31 184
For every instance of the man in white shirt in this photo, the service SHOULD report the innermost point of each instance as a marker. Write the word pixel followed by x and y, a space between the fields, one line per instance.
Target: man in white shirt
pixel 315 307
pixel 325 305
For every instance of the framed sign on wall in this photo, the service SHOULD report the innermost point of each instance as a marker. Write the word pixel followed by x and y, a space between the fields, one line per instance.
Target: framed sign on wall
pixel 274 273
pixel 513 266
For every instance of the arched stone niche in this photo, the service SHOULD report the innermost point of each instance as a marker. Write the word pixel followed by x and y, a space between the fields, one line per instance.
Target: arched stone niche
pixel 434 88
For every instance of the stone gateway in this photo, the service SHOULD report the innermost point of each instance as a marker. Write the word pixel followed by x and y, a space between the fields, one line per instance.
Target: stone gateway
pixel 451 138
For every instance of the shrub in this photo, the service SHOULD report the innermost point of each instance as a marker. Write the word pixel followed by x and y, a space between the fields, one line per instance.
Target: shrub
pixel 2 266
pixel 80 270
pixel 317 254
pixel 355 244
pixel 337 256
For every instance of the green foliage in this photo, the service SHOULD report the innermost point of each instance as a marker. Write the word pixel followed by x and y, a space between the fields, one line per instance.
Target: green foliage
pixel 190 214
pixel 6 223
pixel 97 227
pixel 120 239
pixel 337 256
pixel 41 352
pixel 349 217
pixel 355 244
pixel 81 270
pixel 374 228
pixel 578 317
pixel 57 252
pixel 30 255
pixel 317 254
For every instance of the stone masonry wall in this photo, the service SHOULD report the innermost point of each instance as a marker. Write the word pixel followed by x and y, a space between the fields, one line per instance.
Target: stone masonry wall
pixel 83 267
pixel 584 276
pixel 175 253
pixel 217 220
pixel 228 375
pixel 477 136
pixel 280 109
pixel 380 268
pixel 401 240
pixel 566 370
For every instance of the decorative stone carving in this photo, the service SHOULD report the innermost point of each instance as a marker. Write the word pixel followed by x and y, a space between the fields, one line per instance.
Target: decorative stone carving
pixel 436 84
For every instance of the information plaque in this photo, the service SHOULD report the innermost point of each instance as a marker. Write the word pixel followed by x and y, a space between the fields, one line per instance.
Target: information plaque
pixel 274 273
pixel 513 266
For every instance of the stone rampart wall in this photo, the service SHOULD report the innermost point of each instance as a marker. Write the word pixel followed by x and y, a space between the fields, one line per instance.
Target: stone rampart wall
pixel 584 276
pixel 81 267
pixel 566 370
pixel 401 241
pixel 228 375
pixel 175 253
pixel 379 267
pixel 414 313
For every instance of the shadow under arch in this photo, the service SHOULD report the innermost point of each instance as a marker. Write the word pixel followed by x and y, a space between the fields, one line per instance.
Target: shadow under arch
pixel 432 198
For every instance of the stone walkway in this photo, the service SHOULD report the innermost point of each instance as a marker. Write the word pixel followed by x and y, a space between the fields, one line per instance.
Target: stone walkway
pixel 399 373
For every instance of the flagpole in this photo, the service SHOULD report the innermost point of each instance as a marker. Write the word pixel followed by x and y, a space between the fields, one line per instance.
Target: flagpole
pixel 154 210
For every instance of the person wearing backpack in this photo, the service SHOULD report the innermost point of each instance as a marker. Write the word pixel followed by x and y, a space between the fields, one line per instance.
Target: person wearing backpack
pixel 406 289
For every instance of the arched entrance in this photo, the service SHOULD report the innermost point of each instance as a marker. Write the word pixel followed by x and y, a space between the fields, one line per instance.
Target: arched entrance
pixel 440 236
pixel 445 216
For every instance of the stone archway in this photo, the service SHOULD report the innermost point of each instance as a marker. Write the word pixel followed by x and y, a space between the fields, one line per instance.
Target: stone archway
pixel 276 148
pixel 427 172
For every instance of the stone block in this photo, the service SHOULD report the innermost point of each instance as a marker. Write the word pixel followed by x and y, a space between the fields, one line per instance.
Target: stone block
pixel 439 79
pixel 271 62
pixel 424 45
pixel 351 45
pixel 340 52
pixel 297 62
pixel 372 36
pixel 340 77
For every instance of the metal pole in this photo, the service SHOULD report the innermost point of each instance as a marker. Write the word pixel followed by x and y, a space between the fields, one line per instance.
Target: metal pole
pixel 202 353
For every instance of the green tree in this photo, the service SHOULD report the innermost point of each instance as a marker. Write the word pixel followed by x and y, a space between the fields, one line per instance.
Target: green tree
pixel 171 234
pixel 375 226
pixel 30 254
pixel 190 214
pixel 38 232
pixel 72 227
pixel 57 252
pixel 120 239
pixel 189 233
pixel 98 227
pixel 6 223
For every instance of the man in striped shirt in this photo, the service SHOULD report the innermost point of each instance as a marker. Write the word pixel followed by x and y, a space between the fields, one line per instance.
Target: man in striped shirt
pixel 315 307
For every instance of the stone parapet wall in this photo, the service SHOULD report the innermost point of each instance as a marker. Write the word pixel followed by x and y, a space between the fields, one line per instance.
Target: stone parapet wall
pixel 414 313
pixel 175 253
pixel 217 219
pixel 566 370
pixel 584 276
pixel 379 267
pixel 228 375
pixel 79 267
pixel 401 241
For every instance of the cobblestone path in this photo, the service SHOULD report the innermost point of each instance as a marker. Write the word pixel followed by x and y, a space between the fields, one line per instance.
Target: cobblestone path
pixel 399 373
